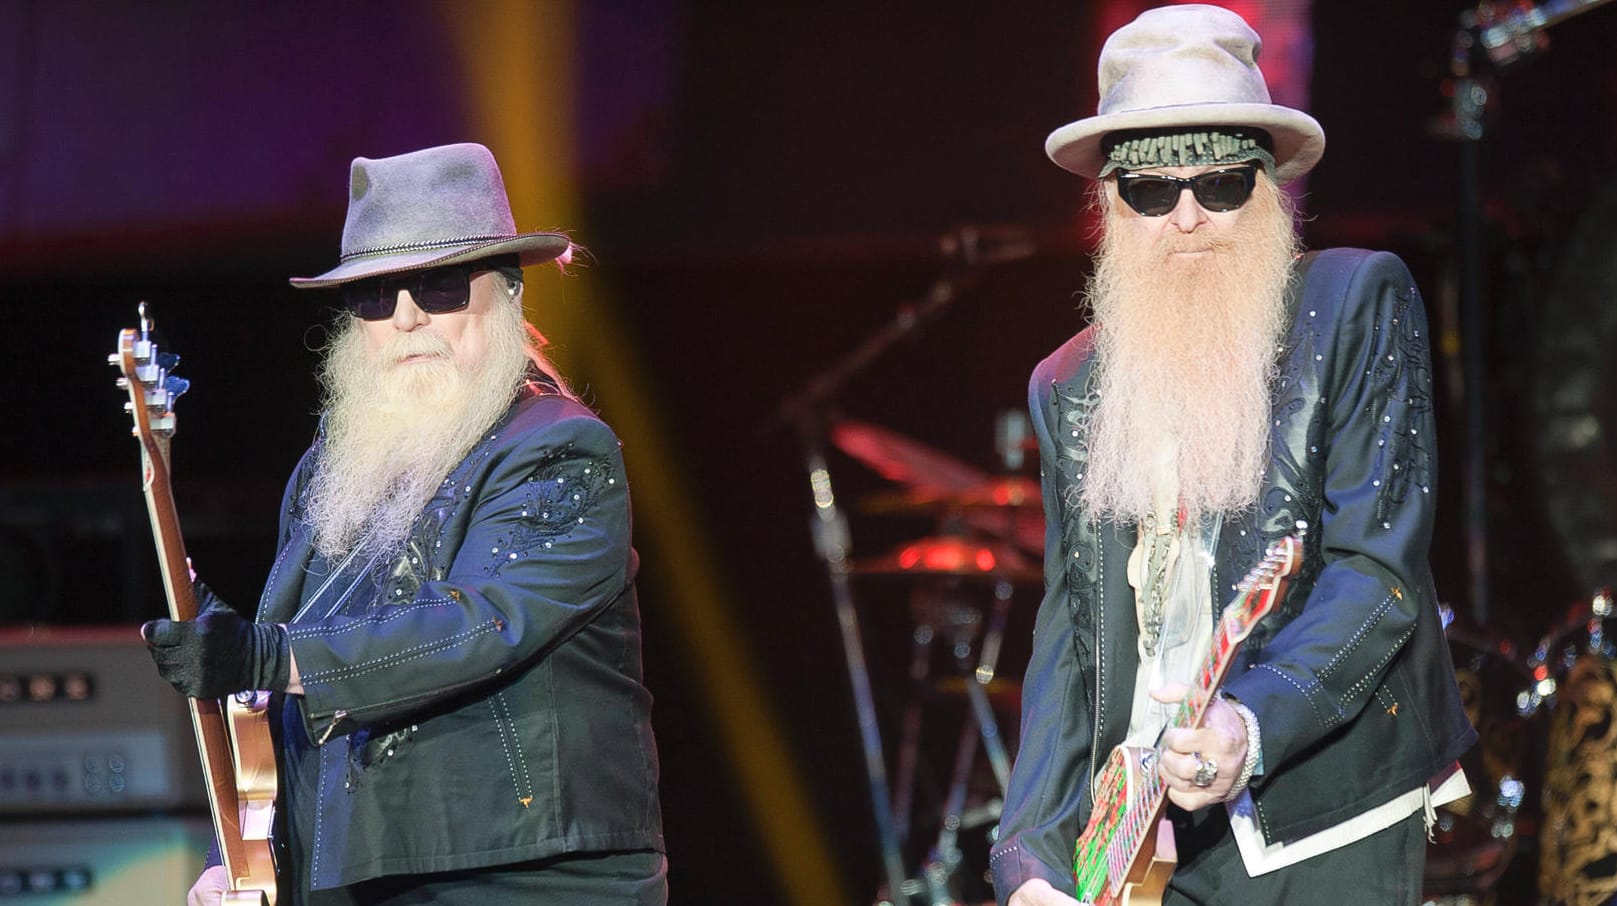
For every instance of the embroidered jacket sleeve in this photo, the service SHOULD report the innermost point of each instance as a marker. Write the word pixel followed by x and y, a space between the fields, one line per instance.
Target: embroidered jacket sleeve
pixel 1321 669
pixel 545 546
pixel 1043 811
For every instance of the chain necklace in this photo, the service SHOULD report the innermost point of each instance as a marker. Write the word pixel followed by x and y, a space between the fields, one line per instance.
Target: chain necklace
pixel 1157 547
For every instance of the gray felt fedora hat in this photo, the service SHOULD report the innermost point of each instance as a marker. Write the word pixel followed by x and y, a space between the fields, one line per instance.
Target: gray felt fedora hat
pixel 428 208
pixel 1185 66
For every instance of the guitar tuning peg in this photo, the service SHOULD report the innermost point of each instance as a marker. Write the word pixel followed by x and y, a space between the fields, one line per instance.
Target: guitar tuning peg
pixel 129 407
pixel 123 383
pixel 114 359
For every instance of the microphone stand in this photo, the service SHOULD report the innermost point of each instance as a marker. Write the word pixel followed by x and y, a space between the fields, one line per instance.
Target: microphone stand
pixel 1499 34
pixel 1470 102
pixel 807 411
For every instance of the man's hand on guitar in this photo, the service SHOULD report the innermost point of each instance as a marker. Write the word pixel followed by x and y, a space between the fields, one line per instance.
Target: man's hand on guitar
pixel 218 653
pixel 210 888
pixel 1038 892
pixel 1201 766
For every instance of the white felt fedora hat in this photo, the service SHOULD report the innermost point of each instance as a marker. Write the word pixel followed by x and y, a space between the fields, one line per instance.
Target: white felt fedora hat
pixel 429 208
pixel 1185 66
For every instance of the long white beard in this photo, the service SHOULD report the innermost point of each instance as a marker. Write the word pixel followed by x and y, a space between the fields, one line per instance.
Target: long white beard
pixel 1186 359
pixel 394 431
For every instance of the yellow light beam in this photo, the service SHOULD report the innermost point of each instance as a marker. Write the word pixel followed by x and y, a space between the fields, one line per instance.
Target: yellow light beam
pixel 519 62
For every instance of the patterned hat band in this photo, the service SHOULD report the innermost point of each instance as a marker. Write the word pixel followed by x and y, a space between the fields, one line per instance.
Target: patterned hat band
pixel 1143 149
pixel 423 246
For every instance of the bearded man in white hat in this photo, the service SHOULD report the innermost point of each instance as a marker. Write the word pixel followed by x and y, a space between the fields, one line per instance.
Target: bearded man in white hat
pixel 451 628
pixel 1229 389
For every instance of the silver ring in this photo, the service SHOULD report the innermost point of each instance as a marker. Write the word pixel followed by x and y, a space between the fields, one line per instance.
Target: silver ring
pixel 1206 770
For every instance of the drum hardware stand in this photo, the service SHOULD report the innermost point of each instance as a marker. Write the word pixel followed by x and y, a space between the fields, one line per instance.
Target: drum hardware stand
pixel 932 609
pixel 1502 33
pixel 998 759
pixel 1554 655
pixel 909 744
pixel 969 252
pixel 945 856
pixel 980 719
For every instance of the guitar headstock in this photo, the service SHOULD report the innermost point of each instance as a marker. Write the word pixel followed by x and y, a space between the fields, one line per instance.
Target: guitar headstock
pixel 1261 588
pixel 145 374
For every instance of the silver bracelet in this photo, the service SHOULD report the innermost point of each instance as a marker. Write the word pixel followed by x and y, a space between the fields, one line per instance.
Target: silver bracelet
pixel 1253 748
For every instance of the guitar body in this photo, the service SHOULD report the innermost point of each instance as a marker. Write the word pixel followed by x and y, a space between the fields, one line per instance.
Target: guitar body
pixel 253 770
pixel 1153 869
pixel 1150 866
pixel 1126 853
pixel 1163 860
pixel 241 822
pixel 233 738
pixel 1129 777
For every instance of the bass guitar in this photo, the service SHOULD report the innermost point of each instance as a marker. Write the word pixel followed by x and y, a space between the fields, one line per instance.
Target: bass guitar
pixel 1126 853
pixel 233 738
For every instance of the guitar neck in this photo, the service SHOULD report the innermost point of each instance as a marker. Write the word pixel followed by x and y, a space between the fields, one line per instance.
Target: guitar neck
pixel 1254 598
pixel 1220 656
pixel 171 558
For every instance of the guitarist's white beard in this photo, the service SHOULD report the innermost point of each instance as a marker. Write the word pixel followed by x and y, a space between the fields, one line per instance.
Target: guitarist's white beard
pixel 1186 352
pixel 394 431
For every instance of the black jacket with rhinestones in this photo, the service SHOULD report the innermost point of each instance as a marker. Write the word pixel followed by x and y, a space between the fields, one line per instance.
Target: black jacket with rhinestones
pixel 477 700
pixel 1350 676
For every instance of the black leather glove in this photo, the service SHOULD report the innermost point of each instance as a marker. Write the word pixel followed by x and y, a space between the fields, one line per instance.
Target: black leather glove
pixel 218 653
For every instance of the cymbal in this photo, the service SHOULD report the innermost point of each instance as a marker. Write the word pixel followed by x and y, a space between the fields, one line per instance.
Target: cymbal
pixel 1005 492
pixel 898 458
pixel 951 555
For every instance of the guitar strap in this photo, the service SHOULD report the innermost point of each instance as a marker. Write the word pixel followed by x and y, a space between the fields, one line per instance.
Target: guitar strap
pixel 339 587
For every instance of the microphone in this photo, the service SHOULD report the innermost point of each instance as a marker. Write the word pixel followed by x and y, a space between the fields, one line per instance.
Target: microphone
pixel 983 245
pixel 1013 436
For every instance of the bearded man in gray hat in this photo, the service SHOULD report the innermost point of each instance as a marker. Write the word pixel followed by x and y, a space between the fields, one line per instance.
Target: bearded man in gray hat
pixel 450 628
pixel 1228 389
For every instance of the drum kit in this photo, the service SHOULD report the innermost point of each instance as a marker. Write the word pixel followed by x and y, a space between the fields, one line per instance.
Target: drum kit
pixel 959 583
pixel 1543 772
pixel 1576 673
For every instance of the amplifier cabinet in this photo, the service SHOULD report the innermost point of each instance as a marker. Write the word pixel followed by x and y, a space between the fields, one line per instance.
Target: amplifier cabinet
pixel 86 725
pixel 101 862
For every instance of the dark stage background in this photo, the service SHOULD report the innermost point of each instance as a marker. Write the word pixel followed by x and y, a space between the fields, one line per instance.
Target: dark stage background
pixel 761 186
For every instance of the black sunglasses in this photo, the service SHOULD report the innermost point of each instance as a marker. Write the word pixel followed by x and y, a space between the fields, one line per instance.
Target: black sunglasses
pixel 1154 195
pixel 436 291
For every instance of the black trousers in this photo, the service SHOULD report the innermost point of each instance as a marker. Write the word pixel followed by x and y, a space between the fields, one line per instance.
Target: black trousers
pixel 1383 869
pixel 638 878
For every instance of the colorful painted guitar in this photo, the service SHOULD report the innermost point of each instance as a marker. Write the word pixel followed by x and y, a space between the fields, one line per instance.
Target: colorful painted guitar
pixel 238 762
pixel 1126 854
